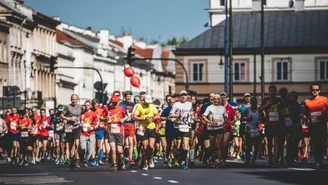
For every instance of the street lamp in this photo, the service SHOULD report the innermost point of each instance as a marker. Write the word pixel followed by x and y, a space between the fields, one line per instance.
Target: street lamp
pixel 221 63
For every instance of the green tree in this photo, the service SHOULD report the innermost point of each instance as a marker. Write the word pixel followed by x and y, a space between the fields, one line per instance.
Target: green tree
pixel 175 42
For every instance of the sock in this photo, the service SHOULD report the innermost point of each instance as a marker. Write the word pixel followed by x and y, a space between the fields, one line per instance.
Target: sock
pixel 192 154
pixel 135 152
pixel 100 155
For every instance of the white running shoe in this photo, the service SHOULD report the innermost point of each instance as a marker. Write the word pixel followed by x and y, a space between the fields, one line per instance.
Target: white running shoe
pixel 151 163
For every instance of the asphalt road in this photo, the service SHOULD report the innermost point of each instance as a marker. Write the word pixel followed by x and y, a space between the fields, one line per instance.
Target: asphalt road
pixel 235 174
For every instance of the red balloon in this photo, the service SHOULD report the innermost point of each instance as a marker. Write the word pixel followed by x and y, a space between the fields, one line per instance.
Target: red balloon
pixel 135 81
pixel 129 72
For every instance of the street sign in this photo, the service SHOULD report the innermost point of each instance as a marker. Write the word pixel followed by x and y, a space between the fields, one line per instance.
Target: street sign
pixel 8 102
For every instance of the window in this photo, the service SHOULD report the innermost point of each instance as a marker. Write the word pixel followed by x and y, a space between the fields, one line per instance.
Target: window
pixel 240 71
pixel 197 69
pixel 323 69
pixel 282 70
pixel 222 2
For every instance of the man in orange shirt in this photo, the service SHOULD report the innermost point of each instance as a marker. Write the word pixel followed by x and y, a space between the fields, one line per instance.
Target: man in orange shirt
pixel 115 116
pixel 315 112
pixel 89 122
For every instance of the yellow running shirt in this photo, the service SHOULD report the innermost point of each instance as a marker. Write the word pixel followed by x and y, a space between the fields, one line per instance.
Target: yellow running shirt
pixel 146 111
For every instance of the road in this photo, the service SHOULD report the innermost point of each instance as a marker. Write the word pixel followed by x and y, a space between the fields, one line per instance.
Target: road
pixel 235 174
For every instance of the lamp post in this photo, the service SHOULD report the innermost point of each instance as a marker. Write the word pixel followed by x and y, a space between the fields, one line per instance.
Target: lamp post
pixel 230 52
pixel 262 51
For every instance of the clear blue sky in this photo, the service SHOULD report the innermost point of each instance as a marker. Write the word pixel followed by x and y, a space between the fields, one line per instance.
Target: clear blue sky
pixel 150 19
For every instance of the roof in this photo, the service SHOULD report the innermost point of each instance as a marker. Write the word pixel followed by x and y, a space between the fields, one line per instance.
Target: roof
pixel 116 42
pixel 166 54
pixel 283 29
pixel 61 37
pixel 145 53
pixel 88 37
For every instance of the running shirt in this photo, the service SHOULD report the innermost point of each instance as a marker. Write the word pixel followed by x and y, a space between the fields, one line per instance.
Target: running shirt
pixel 70 111
pixel 2 127
pixel 243 108
pixel 128 109
pixel 215 113
pixel 285 113
pixel 88 120
pixel 24 124
pixel 231 116
pixel 146 111
pixel 115 114
pixel 169 125
pixel 43 125
pixel 183 109
pixel 316 107
pixel 12 121
pixel 272 112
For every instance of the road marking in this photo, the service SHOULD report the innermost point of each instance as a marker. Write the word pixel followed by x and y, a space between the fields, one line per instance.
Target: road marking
pixel 235 161
pixel 23 174
pixel 133 171
pixel 158 178
pixel 173 181
pixel 33 180
pixel 144 174
pixel 301 169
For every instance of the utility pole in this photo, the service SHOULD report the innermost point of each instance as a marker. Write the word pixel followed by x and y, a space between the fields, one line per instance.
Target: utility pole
pixel 230 53
pixel 226 49
pixel 262 51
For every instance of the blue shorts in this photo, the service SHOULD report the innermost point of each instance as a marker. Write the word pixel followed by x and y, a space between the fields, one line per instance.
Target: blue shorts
pixel 99 134
pixel 14 137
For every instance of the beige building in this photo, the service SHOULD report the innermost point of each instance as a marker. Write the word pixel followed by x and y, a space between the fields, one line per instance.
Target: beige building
pixel 296 54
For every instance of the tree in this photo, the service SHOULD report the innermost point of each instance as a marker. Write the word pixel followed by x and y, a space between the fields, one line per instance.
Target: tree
pixel 175 42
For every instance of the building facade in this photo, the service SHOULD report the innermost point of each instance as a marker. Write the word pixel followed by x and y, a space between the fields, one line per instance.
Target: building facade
pixel 4 60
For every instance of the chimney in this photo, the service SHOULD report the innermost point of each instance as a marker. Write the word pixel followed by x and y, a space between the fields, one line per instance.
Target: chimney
pixel 256 5
pixel 127 41
pixel 56 18
pixel 103 37
pixel 299 5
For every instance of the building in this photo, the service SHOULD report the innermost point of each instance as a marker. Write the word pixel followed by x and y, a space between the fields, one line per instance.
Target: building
pixel 4 60
pixel 296 54
pixel 217 7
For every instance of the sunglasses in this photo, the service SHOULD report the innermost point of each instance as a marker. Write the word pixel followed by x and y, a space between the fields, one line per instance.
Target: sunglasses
pixel 315 90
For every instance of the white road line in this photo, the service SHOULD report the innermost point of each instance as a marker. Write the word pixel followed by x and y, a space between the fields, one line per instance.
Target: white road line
pixel 173 181
pixel 144 174
pixel 23 174
pixel 158 178
pixel 301 169
pixel 133 171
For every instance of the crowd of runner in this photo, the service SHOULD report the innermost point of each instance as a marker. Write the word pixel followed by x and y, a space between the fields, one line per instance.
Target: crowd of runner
pixel 131 130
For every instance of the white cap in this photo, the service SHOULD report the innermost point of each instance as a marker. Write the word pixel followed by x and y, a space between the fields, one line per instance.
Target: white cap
pixel 247 94
pixel 148 99
pixel 223 94
pixel 183 92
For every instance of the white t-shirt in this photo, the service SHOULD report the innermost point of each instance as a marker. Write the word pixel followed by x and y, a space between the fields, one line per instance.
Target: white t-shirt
pixel 216 113
pixel 184 109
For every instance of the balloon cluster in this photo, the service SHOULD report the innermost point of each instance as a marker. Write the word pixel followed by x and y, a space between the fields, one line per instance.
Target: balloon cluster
pixel 134 80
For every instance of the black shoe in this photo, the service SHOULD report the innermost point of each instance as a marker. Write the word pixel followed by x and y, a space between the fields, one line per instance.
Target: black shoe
pixel 43 160
pixel 72 163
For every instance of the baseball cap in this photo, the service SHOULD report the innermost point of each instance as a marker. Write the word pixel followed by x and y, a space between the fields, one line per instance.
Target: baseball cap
pixel 247 94
pixel 183 92
pixel 115 99
pixel 223 94
pixel 60 108
pixel 148 99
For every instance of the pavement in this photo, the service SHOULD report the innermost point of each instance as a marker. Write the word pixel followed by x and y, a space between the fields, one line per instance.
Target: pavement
pixel 235 174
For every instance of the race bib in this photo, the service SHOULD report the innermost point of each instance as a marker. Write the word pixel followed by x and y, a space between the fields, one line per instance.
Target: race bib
pixel 115 128
pixel 273 116
pixel 68 128
pixel 59 128
pixel 305 126
pixel 51 133
pixel 45 124
pixel 288 122
pixel 13 126
pixel 315 116
pixel 24 134
pixel 34 131
pixel 141 131
pixel 163 123
pixel 184 128
pixel 86 127
pixel 254 133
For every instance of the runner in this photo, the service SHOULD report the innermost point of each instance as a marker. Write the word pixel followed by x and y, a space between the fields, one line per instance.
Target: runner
pixel 60 137
pixel 44 125
pixel 24 140
pixel 146 113
pixel 12 122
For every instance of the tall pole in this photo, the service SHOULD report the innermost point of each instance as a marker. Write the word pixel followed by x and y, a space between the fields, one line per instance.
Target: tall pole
pixel 230 53
pixel 226 51
pixel 262 51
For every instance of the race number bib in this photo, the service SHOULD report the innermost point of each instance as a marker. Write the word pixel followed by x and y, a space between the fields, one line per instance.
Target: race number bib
pixel 288 122
pixel 273 116
pixel 86 127
pixel 115 128
pixel 51 133
pixel 45 124
pixel 254 133
pixel 59 128
pixel 13 126
pixel 141 131
pixel 184 128
pixel 315 116
pixel 34 131
pixel 24 134
pixel 68 128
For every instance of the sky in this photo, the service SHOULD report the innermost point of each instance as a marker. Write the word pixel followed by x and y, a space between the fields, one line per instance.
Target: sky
pixel 149 19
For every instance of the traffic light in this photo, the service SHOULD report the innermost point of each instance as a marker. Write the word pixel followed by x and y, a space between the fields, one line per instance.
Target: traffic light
pixel 103 98
pixel 130 55
pixel 53 62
